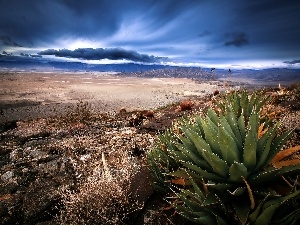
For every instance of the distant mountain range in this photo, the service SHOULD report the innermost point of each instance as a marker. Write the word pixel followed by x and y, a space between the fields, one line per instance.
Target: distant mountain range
pixel 19 63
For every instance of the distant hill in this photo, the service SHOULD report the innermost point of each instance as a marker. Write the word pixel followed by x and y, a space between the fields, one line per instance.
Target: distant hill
pixel 17 63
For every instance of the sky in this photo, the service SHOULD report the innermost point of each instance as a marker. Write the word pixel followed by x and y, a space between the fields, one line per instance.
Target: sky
pixel 208 33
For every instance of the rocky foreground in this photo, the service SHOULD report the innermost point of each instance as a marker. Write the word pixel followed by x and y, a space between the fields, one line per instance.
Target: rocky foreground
pixel 87 167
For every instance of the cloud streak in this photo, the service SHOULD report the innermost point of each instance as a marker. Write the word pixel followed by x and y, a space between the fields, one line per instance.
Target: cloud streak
pixel 103 53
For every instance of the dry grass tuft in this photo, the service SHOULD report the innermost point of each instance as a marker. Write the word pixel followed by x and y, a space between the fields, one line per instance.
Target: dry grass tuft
pixel 104 197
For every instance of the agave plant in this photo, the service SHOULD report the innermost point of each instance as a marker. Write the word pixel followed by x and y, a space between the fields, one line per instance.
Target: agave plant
pixel 242 103
pixel 219 166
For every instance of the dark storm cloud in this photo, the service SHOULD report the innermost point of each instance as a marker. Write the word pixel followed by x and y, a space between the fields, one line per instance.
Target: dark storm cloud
pixel 272 22
pixel 7 54
pixel 237 39
pixel 7 41
pixel 100 53
pixel 295 61
pixel 271 27
pixel 30 55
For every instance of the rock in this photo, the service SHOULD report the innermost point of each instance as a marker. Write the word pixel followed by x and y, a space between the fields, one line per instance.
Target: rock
pixel 15 155
pixel 186 105
pixel 136 119
pixel 123 110
pixel 8 183
pixel 149 114
pixel 8 126
pixel 7 176
pixel 141 189
pixel 216 92
pixel 40 200
pixel 49 168
pixel 35 154
pixel 11 205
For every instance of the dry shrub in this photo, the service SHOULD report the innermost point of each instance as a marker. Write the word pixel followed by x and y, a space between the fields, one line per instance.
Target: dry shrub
pixel 104 198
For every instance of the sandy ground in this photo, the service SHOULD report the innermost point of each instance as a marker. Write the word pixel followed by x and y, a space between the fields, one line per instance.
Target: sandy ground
pixel 30 95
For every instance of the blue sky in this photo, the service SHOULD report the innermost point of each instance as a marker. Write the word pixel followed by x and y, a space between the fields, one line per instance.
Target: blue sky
pixel 211 33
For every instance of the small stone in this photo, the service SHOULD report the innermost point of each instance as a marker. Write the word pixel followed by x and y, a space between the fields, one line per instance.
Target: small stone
pixel 186 105
pixel 49 167
pixel 123 110
pixel 14 155
pixel 149 114
pixel 7 176
pixel 216 92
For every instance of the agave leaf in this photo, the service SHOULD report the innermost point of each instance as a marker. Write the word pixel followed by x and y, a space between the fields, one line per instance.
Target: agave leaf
pixel 272 173
pixel 251 104
pixel 255 214
pixel 199 122
pixel 221 221
pixel 257 99
pixel 261 143
pixel 194 197
pixel 238 191
pixel 244 103
pixel 218 165
pixel 228 146
pixel 254 123
pixel 211 132
pixel 277 144
pixel 224 123
pixel 270 207
pixel 241 126
pixel 193 127
pixel 213 116
pixel 237 171
pixel 207 220
pixel 285 153
pixel 185 212
pixel 220 186
pixel 203 173
pixel 266 215
pixel 180 173
pixel 290 219
pixel 233 123
pixel 211 199
pixel 263 160
pixel 193 206
pixel 235 103
pixel 242 209
pixel 166 140
pixel 283 200
pixel 249 154
pixel 196 158
pixel 262 101
pixel 179 156
pixel 197 189
pixel 188 144
pixel 198 141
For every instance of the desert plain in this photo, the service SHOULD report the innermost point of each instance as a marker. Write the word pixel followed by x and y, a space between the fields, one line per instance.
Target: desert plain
pixel 30 95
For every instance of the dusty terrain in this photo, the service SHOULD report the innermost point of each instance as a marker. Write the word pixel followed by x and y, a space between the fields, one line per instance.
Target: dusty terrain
pixel 36 94
pixel 88 156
